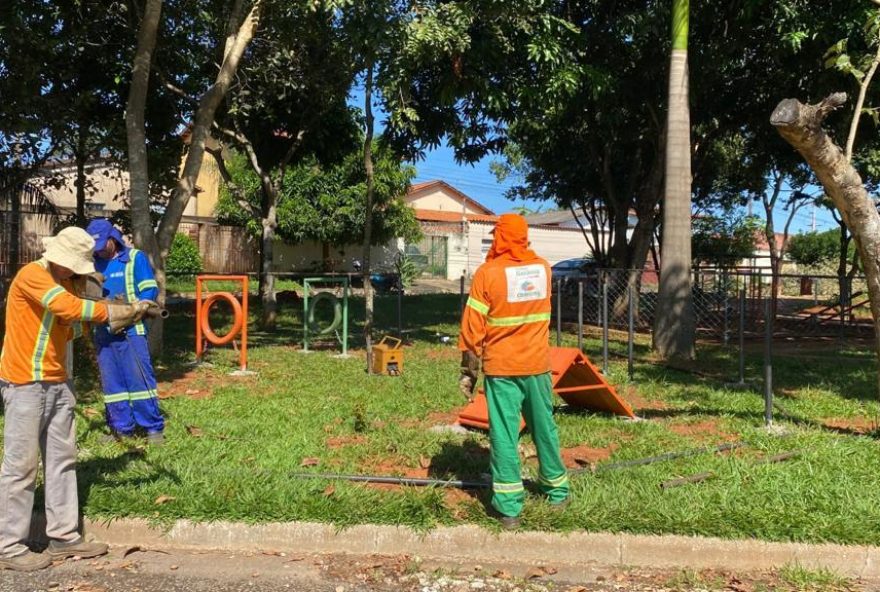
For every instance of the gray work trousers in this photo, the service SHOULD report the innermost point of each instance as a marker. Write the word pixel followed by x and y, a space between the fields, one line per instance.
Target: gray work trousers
pixel 38 421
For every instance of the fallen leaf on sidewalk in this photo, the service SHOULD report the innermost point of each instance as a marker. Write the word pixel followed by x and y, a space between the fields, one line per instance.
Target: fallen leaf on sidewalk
pixel 194 431
pixel 310 461
pixel 540 571
pixel 174 567
pixel 163 499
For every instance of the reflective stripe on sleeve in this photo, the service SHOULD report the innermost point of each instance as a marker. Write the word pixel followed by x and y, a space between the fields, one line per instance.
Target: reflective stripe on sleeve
pixel 478 306
pixel 50 295
pixel 42 345
pixel 146 285
pixel 88 310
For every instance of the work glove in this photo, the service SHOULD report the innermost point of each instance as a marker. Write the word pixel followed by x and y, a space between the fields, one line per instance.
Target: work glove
pixel 89 286
pixel 123 316
pixel 470 370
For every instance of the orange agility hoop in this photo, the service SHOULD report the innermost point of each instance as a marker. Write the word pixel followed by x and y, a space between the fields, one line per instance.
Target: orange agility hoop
pixel 239 314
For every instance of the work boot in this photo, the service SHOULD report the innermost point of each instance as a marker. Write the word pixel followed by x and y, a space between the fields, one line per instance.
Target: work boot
pixel 27 561
pixel 510 522
pixel 156 438
pixel 560 506
pixel 77 548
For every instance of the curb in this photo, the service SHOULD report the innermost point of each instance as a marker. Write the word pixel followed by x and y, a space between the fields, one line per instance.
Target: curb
pixel 475 544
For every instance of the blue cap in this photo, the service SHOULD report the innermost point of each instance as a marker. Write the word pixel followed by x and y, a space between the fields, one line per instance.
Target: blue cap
pixel 101 229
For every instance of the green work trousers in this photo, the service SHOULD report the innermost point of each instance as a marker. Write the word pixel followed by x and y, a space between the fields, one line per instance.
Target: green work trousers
pixel 509 399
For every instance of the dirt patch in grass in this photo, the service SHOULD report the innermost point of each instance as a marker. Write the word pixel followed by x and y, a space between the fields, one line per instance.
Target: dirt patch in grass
pixel 342 441
pixel 585 456
pixel 707 429
pixel 193 385
pixel 852 425
pixel 640 403
pixel 442 418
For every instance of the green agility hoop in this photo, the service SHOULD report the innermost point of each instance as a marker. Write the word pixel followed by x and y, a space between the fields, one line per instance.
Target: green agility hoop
pixel 311 326
pixel 314 326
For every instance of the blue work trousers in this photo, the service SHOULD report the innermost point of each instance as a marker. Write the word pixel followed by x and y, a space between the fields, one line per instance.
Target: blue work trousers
pixel 129 383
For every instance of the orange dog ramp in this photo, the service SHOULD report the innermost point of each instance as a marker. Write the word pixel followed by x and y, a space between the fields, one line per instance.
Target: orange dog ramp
pixel 574 378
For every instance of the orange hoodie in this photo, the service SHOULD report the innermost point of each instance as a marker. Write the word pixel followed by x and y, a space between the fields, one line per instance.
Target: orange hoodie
pixel 40 320
pixel 507 318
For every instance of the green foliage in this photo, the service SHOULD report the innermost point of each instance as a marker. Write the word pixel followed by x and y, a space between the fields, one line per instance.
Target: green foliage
pixel 724 240
pixel 327 203
pixel 811 249
pixel 407 269
pixel 184 257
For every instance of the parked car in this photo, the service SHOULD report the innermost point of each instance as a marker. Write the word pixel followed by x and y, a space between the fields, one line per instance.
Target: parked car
pixel 573 268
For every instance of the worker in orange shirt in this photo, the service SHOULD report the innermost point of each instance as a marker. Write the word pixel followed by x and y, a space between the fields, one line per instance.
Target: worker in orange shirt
pixel 42 315
pixel 506 324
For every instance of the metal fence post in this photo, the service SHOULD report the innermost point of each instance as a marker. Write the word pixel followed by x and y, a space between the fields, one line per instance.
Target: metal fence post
pixel 742 336
pixel 559 312
pixel 816 292
pixel 580 314
pixel 461 291
pixel 768 362
pixel 400 311
pixel 604 323
pixel 631 335
pixel 724 286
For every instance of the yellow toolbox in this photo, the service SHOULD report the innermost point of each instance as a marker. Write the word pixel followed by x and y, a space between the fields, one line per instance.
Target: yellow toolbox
pixel 387 358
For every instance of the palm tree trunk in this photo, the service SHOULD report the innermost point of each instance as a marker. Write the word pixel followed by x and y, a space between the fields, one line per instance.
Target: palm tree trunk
pixel 674 322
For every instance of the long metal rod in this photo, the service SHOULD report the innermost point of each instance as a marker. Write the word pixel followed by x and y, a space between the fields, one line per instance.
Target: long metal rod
pixel 461 484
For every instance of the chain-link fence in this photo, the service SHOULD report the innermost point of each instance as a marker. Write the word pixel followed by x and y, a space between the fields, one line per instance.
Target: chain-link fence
pixel 726 303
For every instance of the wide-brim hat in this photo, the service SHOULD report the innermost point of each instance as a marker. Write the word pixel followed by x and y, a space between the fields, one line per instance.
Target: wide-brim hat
pixel 72 248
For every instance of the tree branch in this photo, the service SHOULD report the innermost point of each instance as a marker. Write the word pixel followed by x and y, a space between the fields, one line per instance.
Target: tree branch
pixel 237 192
pixel 860 102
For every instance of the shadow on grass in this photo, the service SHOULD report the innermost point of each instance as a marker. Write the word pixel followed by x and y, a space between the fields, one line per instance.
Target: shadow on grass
pixel 100 470
pixel 465 461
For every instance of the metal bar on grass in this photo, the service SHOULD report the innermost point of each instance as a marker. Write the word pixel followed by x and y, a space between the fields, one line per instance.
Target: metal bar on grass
pixel 391 480
pixel 781 457
pixel 678 482
pixel 625 464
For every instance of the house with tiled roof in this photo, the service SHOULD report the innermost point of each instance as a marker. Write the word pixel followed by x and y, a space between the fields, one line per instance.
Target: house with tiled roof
pixel 456 231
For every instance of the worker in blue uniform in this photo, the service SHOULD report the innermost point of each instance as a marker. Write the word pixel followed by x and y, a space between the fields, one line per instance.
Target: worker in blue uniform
pixel 127 377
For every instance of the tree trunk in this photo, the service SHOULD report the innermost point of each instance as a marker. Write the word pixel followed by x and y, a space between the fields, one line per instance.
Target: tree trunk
pixel 674 323
pixel 138 164
pixel 81 178
pixel 240 33
pixel 269 224
pixel 801 126
pixel 368 217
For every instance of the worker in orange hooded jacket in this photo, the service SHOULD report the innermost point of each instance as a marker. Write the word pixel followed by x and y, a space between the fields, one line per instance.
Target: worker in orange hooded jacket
pixel 506 324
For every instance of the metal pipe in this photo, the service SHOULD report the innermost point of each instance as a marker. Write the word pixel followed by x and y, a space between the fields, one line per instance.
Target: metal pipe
pixel 605 323
pixel 559 312
pixel 724 283
pixel 461 484
pixel 631 335
pixel 742 336
pixel 768 361
pixel 580 314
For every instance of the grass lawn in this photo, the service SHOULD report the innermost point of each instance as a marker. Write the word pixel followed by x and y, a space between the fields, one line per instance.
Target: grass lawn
pixel 187 285
pixel 233 443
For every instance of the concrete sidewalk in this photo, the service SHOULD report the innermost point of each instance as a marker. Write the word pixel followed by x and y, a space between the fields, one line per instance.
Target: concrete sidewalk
pixel 574 552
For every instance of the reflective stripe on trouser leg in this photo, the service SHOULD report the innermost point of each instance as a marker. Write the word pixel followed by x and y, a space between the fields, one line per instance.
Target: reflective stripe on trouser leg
pixel 141 381
pixel 117 409
pixel 538 412
pixel 504 400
